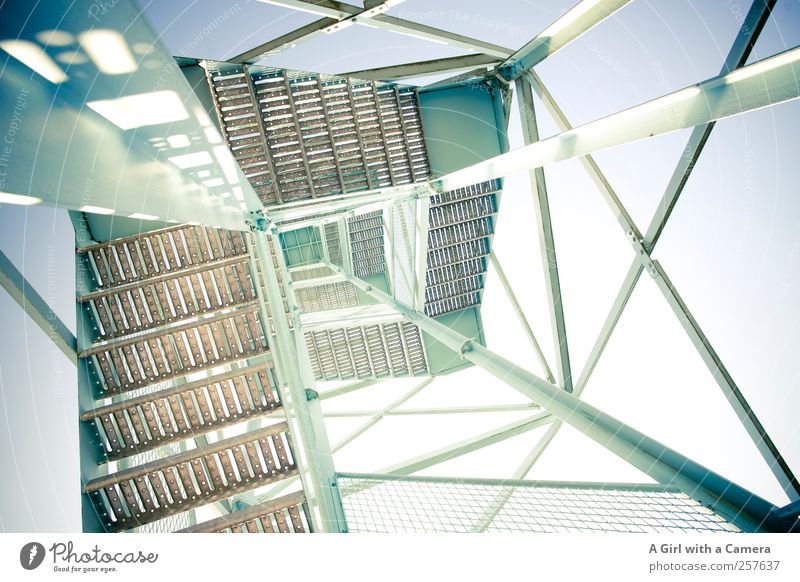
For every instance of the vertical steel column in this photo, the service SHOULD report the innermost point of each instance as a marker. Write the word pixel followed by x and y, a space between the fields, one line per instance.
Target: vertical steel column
pixel 736 504
pixel 544 225
pixel 644 245
pixel 521 317
pixel 323 241
pixel 422 218
pixel 299 399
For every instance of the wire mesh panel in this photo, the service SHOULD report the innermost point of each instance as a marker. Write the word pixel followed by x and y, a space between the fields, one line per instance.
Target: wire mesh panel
pixel 386 504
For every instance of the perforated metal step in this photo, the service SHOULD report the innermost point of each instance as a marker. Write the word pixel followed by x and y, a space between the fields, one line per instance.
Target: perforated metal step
pixel 287 514
pixel 187 410
pixel 161 354
pixel 326 297
pixel 150 492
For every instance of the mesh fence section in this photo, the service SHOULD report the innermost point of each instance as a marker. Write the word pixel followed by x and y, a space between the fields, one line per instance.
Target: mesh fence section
pixel 418 505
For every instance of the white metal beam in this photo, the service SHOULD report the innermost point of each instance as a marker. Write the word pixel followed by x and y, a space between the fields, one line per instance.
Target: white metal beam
pixel 420 265
pixel 468 445
pixel 563 31
pixel 422 68
pixel 530 407
pixel 591 167
pixel 742 46
pixel 379 415
pixel 284 42
pixel 312 450
pixel 521 317
pixel 347 388
pixel 740 50
pixel 663 464
pixel 37 308
pixel 371 16
pixel 329 204
pixel 767 82
pixel 547 245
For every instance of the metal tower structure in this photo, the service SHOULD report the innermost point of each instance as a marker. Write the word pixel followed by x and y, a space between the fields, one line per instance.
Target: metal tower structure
pixel 265 230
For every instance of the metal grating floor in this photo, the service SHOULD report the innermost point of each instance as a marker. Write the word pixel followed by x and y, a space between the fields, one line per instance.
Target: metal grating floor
pixel 460 229
pixel 371 351
pixel 385 504
pixel 366 242
pixel 300 135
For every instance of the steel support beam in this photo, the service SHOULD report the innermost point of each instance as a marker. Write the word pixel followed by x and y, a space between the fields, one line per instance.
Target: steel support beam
pixel 421 68
pixel 468 445
pixel 521 317
pixel 420 266
pixel 313 210
pixel 379 416
pixel 588 162
pixel 791 511
pixel 563 31
pixel 476 74
pixel 284 42
pixel 338 13
pixel 767 82
pixel 443 410
pixel 665 465
pixel 544 227
pixel 502 498
pixel 737 57
pixel 759 435
pixel 346 389
pixel 37 308
pixel 742 46
pixel 298 397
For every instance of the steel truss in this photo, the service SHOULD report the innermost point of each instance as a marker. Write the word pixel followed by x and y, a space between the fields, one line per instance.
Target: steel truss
pixel 681 109
pixel 736 90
